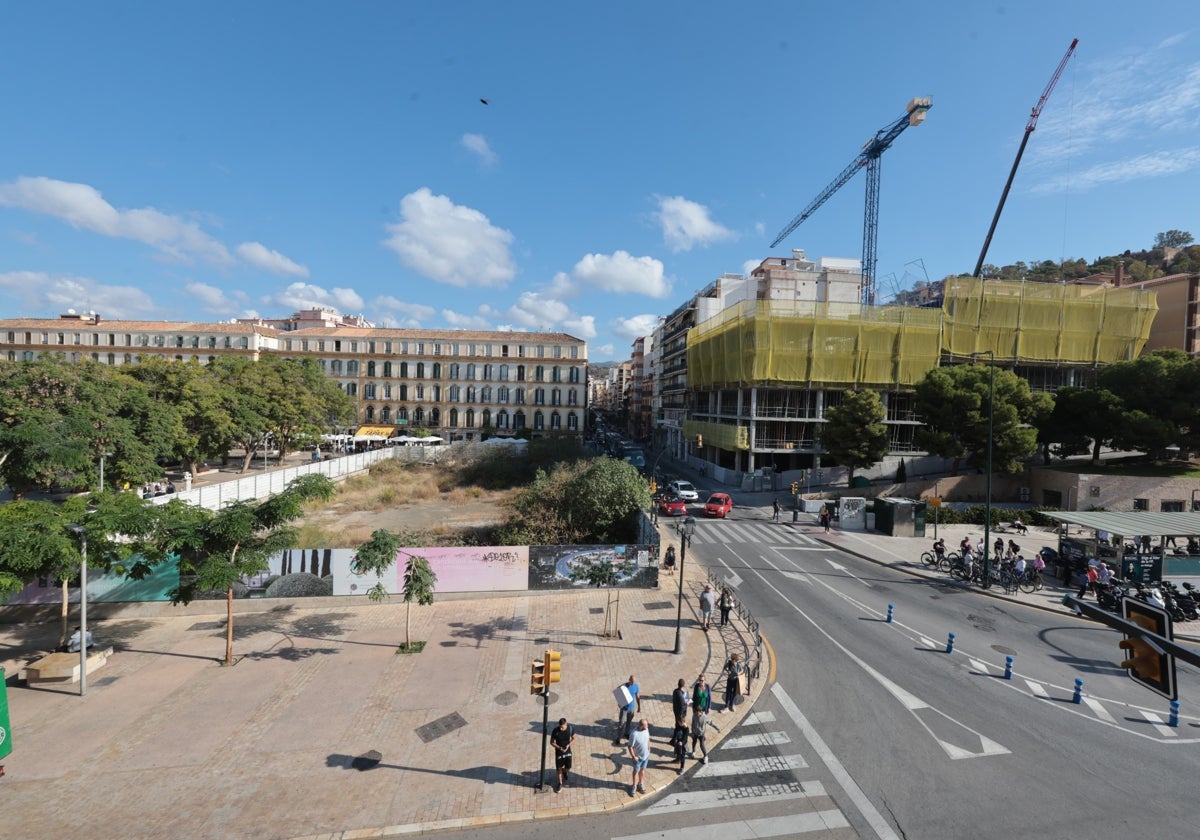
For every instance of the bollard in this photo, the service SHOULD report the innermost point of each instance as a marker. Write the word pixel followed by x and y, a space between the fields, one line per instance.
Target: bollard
pixel 950 644
pixel 890 608
pixel 1008 661
pixel 1173 719
pixel 1078 696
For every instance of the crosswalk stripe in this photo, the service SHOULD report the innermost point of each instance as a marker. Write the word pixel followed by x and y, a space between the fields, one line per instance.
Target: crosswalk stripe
pixel 753 766
pixel 752 829
pixel 756 718
pixel 1037 688
pixel 693 800
pixel 1099 709
pixel 761 739
pixel 979 666
pixel 1160 724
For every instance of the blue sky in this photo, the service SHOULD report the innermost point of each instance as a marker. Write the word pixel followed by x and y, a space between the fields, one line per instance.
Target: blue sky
pixel 207 161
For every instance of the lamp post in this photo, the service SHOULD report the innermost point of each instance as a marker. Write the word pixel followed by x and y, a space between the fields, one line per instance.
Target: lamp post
pixel 987 492
pixel 103 455
pixel 81 532
pixel 686 529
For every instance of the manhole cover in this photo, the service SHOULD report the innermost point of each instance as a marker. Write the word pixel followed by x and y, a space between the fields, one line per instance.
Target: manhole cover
pixel 660 605
pixel 506 698
pixel 442 726
pixel 1007 651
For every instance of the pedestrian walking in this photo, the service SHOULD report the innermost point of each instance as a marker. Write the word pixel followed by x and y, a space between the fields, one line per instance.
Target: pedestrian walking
pixel 700 724
pixel 708 600
pixel 630 702
pixel 726 604
pixel 701 695
pixel 669 560
pixel 563 738
pixel 733 684
pixel 639 752
pixel 823 518
pixel 775 509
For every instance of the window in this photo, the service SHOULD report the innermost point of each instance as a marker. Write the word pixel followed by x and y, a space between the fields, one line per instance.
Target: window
pixel 420 348
pixel 470 393
pixel 504 350
pixel 539 396
pixel 470 418
pixel 228 342
pixel 112 358
pixel 485 394
pixel 572 422
pixel 519 420
pixel 487 417
pixel 520 351
pixel 244 342
pixel 369 391
pixel 555 420
pixel 370 368
pixel 404 370
pixel 455 393
pixel 539 374
pixel 386 414
pixel 337 346
pixel 541 354
pixel 454 418
pixel 437 349
pixel 437 369
pixel 572 397
pixel 1141 504
pixel 403 392
pixel 420 392
pixel 501 419
pixel 1171 505
pixel 502 394
pixel 435 392
pixel 435 416
pixel 370 412
pixel 352 368
pixel 520 373
pixel 352 389
pixel 387 370
pixel 520 397
pixel 470 371
pixel 574 377
pixel 556 397
pixel 504 372
pixel 370 346
pixel 454 367
pixel 387 391
pixel 539 422
pixel 419 416
pixel 420 370
pixel 487 371
pixel 555 375
pixel 335 367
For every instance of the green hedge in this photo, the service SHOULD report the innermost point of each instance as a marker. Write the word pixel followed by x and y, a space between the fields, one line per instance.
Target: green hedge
pixel 974 515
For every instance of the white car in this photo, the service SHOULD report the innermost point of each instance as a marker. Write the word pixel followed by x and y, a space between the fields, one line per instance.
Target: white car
pixel 684 490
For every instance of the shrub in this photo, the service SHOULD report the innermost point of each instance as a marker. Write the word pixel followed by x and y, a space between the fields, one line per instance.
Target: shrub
pixel 299 585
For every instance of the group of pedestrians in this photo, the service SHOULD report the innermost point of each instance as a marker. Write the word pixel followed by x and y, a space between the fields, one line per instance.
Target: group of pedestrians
pixel 710 600
pixel 686 736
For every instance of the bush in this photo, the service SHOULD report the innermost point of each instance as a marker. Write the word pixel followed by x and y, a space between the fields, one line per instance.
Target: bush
pixel 239 591
pixel 299 585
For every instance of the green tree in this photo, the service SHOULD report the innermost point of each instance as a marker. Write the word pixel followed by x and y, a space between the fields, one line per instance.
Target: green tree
pixel 1172 239
pixel 206 428
pixel 854 433
pixel 1083 418
pixel 218 549
pixel 377 555
pixel 1161 392
pixel 953 404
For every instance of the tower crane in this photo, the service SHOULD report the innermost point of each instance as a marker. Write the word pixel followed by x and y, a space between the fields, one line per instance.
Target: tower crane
pixel 1029 127
pixel 872 150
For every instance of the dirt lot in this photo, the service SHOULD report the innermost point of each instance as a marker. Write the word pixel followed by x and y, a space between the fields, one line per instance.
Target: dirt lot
pixel 448 513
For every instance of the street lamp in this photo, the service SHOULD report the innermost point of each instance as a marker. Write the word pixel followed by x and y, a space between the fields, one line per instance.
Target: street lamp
pixel 686 529
pixel 103 455
pixel 81 532
pixel 987 492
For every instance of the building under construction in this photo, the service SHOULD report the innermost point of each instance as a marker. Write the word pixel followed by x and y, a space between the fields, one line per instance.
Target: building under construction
pixel 769 355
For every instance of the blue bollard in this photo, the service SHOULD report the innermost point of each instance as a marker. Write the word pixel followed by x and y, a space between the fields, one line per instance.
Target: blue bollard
pixel 890 608
pixel 1078 696
pixel 950 644
pixel 1008 661
pixel 1173 719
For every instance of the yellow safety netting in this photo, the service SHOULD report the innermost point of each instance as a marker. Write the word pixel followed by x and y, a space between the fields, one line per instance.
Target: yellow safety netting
pixel 719 435
pixel 1046 322
pixel 767 342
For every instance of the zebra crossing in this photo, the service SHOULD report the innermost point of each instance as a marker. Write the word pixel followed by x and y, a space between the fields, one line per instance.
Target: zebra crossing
pixel 775 534
pixel 758 783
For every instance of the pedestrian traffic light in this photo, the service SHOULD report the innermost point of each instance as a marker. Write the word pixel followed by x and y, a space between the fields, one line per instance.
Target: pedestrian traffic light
pixel 1147 663
pixel 795 487
pixel 553 668
pixel 699 441
pixel 537 677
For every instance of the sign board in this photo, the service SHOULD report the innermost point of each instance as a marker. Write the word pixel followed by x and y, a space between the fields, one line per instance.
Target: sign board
pixel 935 501
pixel 5 727
pixel 1160 665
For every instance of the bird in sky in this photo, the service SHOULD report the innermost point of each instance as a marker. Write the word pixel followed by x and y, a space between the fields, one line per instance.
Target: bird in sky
pixel 484 101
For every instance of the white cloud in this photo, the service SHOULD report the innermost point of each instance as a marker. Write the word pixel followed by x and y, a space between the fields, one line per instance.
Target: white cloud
pixel 1153 165
pixel 261 256
pixel 465 322
pixel 534 310
pixel 749 265
pixel 478 144
pixel 582 327
pixel 449 243
pixel 83 207
pixel 42 293
pixel 416 311
pixel 210 297
pixel 635 327
pixel 307 296
pixel 604 350
pixel 617 273
pixel 686 224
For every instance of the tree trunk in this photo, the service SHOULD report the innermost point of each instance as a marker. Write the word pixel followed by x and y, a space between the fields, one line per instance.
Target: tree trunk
pixel 1096 453
pixel 850 477
pixel 62 639
pixel 229 626
pixel 247 459
pixel 407 634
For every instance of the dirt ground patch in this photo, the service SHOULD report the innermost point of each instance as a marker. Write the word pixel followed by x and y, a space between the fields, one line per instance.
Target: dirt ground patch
pixel 446 514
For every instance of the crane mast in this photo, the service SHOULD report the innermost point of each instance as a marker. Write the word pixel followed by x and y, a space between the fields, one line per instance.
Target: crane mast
pixel 1029 127
pixel 868 158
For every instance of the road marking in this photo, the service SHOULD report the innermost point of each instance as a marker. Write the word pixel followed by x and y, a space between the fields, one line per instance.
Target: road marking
pixel 868 811
pixel 757 794
pixel 1099 709
pixel 978 666
pixel 1038 689
pixel 755 766
pixel 757 718
pixel 797 576
pixel 1159 724
pixel 847 572
pixel 732 578
pixel 751 829
pixel 762 739
pixel 929 643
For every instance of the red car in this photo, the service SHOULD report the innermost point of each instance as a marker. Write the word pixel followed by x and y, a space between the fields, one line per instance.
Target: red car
pixel 672 506
pixel 718 504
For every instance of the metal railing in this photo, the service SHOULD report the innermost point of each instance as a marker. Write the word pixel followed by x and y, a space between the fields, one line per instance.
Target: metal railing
pixel 754 658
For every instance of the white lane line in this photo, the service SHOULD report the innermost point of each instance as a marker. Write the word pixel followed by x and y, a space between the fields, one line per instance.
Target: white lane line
pixel 979 666
pixel 929 643
pixel 1038 689
pixel 1098 708
pixel 762 739
pixel 751 829
pixel 797 576
pixel 755 718
pixel 847 572
pixel 1160 725
pixel 868 811
pixel 753 766
pixel 693 800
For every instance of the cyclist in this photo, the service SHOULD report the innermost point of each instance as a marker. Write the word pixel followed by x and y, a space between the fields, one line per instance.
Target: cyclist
pixel 939 548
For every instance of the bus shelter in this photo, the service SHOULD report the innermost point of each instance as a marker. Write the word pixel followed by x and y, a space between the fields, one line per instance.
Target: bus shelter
pixel 1145 545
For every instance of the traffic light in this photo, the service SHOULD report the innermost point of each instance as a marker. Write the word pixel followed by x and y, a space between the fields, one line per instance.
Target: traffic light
pixel 1148 665
pixel 795 487
pixel 699 441
pixel 553 667
pixel 653 486
pixel 537 677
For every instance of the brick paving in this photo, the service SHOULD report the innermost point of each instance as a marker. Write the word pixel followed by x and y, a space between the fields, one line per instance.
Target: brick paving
pixel 167 743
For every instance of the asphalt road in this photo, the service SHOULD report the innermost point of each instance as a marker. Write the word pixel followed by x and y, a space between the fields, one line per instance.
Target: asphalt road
pixel 873 730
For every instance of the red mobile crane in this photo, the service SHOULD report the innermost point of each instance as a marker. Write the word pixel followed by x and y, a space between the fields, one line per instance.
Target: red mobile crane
pixel 1029 127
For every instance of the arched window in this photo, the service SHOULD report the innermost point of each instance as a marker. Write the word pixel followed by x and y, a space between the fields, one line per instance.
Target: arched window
pixel 502 419
pixel 485 394
pixel 370 412
pixel 519 397
pixel 454 370
pixel 554 374
pixel 437 370
pixel 572 422
pixel 455 393
pixel 487 417
pixel 420 370
pixel 539 421
pixel 555 420
pixel 502 394
pixel 419 416
pixel 519 420
pixel 387 369
pixel 556 397
pixel 503 373
pixel 352 368
pixel 487 372
pixel 470 393
pixel 435 416
pixel 386 414
pixel 454 418
pixel 403 391
pixel 539 374
pixel 404 370
pixel 370 368
pixel 470 418
pixel 470 371
pixel 539 396
pixel 520 373
pixel 402 413
pixel 574 374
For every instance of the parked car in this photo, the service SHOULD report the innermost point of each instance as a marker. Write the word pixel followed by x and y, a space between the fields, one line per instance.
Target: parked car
pixel 672 506
pixel 718 504
pixel 684 490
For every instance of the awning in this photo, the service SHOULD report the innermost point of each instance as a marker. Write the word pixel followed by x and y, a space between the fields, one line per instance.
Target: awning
pixel 380 431
pixel 1132 523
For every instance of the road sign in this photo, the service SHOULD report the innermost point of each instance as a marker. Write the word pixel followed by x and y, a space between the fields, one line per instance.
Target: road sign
pixel 1148 663
pixel 935 501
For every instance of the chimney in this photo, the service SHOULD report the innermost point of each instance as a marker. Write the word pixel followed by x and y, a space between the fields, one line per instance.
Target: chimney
pixel 1119 275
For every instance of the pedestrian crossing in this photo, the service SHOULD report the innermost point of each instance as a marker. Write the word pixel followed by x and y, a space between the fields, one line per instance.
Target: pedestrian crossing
pixel 757 783
pixel 777 535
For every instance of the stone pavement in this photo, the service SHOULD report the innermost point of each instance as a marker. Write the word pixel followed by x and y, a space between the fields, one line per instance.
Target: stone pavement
pixel 322 730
